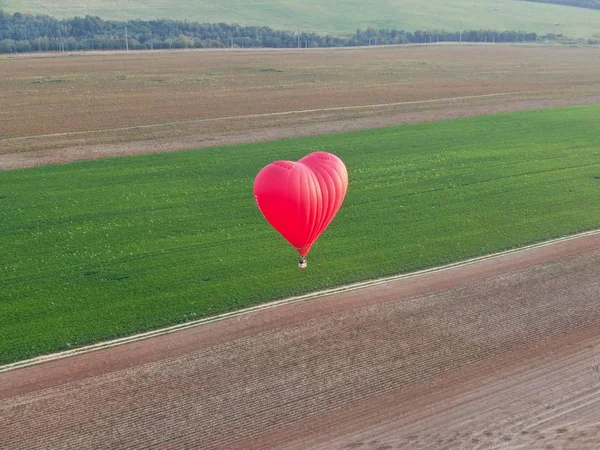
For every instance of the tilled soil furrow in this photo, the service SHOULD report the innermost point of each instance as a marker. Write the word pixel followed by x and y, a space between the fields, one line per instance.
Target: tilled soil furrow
pixel 228 395
pixel 173 101
pixel 556 393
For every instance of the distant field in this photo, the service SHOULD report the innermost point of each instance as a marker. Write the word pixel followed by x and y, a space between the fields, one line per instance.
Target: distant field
pixel 85 106
pixel 339 16
pixel 592 4
pixel 99 249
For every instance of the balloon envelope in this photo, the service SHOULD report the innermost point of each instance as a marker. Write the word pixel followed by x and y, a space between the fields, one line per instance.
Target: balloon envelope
pixel 300 199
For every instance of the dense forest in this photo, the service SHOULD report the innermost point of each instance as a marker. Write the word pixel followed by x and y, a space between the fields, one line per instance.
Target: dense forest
pixel 591 4
pixel 33 33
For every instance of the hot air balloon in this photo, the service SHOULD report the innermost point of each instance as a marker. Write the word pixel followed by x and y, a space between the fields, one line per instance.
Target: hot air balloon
pixel 300 199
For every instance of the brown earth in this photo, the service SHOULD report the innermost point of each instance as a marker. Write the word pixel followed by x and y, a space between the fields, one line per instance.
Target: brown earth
pixel 86 106
pixel 502 353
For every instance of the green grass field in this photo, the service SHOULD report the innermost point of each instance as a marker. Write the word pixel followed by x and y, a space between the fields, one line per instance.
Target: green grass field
pixel 340 16
pixel 100 249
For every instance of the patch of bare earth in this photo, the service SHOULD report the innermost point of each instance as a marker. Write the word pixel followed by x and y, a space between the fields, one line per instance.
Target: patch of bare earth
pixel 499 353
pixel 66 108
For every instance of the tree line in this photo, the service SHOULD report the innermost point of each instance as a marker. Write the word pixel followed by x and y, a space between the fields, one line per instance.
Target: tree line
pixel 591 4
pixel 39 33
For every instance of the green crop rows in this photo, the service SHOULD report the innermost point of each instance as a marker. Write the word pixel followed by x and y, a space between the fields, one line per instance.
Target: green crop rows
pixel 100 249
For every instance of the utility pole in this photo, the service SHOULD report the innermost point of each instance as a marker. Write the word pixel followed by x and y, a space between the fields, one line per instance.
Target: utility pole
pixel 298 33
pixel 126 39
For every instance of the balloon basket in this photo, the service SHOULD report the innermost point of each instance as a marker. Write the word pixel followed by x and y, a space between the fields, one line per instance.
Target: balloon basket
pixel 302 264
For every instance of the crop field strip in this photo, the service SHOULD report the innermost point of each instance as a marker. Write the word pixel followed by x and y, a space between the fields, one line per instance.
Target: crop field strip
pixel 517 261
pixel 101 249
pixel 107 91
pixel 247 391
pixel 280 113
pixel 150 102
pixel 259 115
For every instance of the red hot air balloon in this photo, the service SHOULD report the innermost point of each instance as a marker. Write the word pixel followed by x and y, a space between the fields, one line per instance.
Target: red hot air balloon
pixel 300 199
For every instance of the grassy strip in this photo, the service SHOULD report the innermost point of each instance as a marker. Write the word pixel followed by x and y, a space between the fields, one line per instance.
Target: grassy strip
pixel 100 249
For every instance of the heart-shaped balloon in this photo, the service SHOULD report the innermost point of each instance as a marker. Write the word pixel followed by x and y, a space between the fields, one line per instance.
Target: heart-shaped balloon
pixel 300 199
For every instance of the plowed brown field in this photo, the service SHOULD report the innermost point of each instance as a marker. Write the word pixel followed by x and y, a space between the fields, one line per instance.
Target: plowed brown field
pixel 86 106
pixel 502 353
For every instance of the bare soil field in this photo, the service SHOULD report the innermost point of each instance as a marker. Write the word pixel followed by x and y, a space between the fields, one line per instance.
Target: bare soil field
pixel 501 353
pixel 86 106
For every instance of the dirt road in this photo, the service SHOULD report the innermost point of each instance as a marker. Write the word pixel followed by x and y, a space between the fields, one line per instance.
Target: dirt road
pixel 502 353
